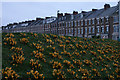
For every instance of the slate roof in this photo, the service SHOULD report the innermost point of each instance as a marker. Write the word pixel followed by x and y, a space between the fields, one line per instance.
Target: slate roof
pixel 108 11
pixel 88 15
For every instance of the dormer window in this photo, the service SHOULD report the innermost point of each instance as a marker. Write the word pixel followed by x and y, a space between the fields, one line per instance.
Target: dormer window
pixel 81 15
pixel 14 26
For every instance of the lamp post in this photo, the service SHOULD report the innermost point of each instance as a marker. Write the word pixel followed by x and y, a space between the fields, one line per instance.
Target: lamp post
pixel 119 18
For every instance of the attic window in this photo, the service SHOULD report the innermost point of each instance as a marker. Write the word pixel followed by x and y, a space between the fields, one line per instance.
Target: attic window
pixel 14 26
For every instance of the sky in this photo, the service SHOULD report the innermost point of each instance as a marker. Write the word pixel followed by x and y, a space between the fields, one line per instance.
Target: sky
pixel 24 11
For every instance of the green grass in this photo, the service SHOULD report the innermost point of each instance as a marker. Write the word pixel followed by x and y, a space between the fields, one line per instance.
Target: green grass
pixel 47 67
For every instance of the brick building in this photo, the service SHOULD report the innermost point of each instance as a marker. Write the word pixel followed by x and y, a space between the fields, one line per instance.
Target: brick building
pixel 97 22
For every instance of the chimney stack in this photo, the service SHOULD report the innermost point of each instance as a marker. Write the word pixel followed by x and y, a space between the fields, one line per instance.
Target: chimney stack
pixel 59 15
pixel 47 17
pixel 39 18
pixel 67 14
pixel 75 12
pixel 106 6
pixel 94 10
pixel 83 12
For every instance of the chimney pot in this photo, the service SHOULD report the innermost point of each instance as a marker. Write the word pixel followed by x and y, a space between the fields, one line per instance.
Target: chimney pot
pixel 67 14
pixel 59 15
pixel 94 10
pixel 106 6
pixel 83 12
pixel 75 12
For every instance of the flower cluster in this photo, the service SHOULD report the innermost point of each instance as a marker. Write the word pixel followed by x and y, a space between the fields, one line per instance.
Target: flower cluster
pixel 54 36
pixel 38 47
pixel 17 50
pixel 17 58
pixel 67 41
pixel 87 62
pixel 9 35
pixel 24 40
pixel 9 73
pixel 62 37
pixel 77 62
pixel 39 55
pixel 10 41
pixel 35 63
pixel 59 41
pixel 59 74
pixel 79 46
pixel 76 53
pixel 71 71
pixel 35 74
pixel 70 46
pixel 68 63
pixel 83 52
pixel 84 72
pixel 49 41
pixel 22 34
pixel 57 65
pixel 66 53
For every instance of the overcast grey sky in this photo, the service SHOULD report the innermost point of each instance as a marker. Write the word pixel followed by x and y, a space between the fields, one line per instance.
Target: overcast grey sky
pixel 22 11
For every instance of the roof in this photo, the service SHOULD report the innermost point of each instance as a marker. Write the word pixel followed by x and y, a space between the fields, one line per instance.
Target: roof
pixel 108 11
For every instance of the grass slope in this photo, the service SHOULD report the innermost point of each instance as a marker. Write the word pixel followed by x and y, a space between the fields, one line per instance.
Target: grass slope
pixel 58 56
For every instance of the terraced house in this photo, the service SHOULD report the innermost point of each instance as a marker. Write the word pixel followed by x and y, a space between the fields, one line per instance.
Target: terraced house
pixel 97 22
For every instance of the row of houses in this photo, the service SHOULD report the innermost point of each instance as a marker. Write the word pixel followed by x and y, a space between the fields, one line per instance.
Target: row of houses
pixel 97 22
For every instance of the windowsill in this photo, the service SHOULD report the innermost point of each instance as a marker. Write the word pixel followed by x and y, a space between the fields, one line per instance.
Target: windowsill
pixel 116 22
